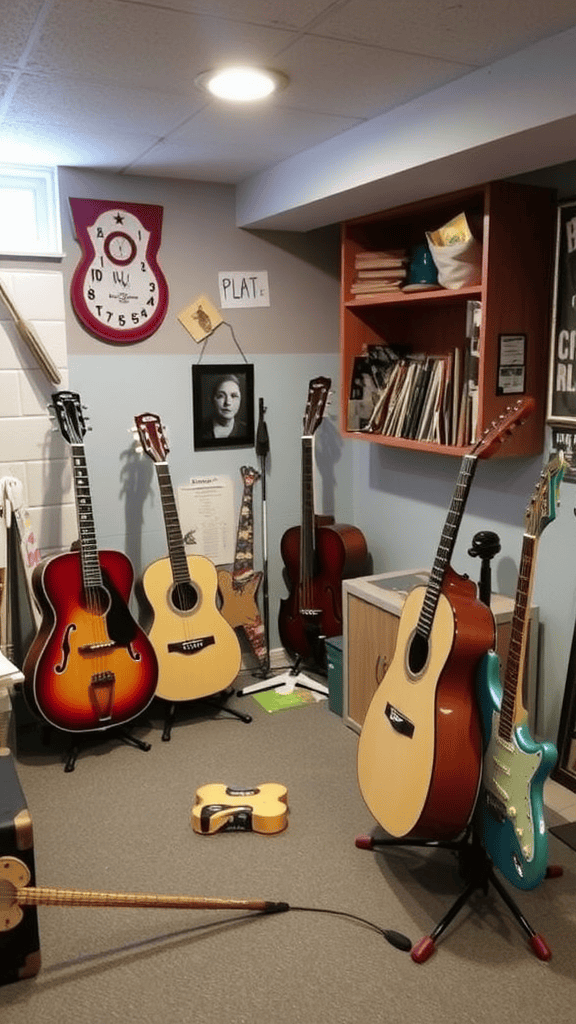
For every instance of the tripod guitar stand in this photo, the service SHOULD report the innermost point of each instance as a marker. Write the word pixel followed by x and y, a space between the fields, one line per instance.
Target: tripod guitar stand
pixel 475 864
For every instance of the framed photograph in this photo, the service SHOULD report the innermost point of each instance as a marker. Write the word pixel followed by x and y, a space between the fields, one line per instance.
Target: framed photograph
pixel 562 374
pixel 223 405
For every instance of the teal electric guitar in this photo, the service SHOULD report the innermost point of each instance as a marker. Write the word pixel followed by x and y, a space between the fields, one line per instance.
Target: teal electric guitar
pixel 510 809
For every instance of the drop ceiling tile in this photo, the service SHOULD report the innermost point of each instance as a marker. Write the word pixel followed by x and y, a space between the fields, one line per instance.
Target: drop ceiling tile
pixel 353 80
pixel 144 47
pixel 226 147
pixel 100 150
pixel 293 14
pixel 469 31
pixel 74 104
pixel 16 24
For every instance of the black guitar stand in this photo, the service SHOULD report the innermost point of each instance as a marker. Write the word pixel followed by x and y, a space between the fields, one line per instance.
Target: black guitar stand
pixel 475 865
pixel 117 732
pixel 217 701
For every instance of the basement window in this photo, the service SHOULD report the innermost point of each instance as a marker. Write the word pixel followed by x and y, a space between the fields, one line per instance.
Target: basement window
pixel 29 212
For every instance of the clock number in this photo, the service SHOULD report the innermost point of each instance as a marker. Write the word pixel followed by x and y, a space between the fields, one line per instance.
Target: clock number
pixel 96 274
pixel 144 314
pixel 91 293
pixel 121 320
pixel 143 266
pixel 151 301
pixel 135 318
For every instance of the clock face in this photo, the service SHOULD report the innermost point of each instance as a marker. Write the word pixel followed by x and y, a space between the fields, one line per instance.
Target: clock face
pixel 118 290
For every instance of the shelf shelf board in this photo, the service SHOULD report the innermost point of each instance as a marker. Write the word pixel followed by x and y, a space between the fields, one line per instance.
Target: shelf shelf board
pixel 400 298
pixel 405 442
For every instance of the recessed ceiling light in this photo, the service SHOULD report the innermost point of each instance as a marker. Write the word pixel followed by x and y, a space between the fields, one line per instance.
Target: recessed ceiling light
pixel 241 84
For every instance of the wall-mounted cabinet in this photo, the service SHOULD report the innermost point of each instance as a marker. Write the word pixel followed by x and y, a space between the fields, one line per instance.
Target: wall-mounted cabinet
pixel 515 224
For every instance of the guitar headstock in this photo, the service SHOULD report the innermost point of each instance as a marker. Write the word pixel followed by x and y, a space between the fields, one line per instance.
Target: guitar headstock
pixel 545 499
pixel 249 475
pixel 500 429
pixel 152 437
pixel 318 391
pixel 68 409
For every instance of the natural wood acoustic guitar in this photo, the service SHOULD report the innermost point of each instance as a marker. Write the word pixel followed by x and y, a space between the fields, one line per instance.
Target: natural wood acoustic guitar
pixel 420 748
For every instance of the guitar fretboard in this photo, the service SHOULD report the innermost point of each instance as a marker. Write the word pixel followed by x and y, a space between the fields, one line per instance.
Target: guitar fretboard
pixel 518 639
pixel 446 545
pixel 91 572
pixel 307 512
pixel 244 561
pixel 176 549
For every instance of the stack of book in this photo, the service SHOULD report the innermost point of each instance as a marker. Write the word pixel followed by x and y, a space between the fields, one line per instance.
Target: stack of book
pixel 379 272
pixel 419 396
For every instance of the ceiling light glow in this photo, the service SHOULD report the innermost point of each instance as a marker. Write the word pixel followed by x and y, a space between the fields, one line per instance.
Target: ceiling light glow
pixel 241 84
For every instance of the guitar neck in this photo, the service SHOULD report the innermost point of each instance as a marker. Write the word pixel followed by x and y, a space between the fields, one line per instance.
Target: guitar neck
pixel 38 896
pixel 176 549
pixel 307 510
pixel 514 675
pixel 91 572
pixel 446 545
pixel 243 569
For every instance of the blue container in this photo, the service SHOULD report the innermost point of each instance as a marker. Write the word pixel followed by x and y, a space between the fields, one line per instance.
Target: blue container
pixel 334 654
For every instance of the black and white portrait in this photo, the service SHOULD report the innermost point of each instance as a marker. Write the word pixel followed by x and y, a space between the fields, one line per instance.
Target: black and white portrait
pixel 223 397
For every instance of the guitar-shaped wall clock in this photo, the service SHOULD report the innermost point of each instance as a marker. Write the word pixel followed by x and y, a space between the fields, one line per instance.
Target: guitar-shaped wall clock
pixel 317 555
pixel 510 809
pixel 118 290
pixel 239 588
pixel 198 651
pixel 420 748
pixel 90 665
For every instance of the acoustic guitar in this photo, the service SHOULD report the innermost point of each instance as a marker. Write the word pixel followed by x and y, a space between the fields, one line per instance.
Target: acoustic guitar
pixel 510 810
pixel 220 808
pixel 420 748
pixel 239 588
pixel 318 554
pixel 198 651
pixel 90 665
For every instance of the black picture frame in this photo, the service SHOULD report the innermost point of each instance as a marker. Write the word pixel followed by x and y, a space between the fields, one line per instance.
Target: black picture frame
pixel 562 369
pixel 205 378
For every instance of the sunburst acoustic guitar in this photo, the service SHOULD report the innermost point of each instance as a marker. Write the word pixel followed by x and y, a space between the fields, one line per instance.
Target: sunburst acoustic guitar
pixel 420 748
pixel 198 651
pixel 90 665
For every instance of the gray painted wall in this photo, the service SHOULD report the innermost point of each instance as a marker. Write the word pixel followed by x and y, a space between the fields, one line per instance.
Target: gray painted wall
pixel 398 499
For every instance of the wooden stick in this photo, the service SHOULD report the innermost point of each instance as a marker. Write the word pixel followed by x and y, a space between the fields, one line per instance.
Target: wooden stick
pixel 31 339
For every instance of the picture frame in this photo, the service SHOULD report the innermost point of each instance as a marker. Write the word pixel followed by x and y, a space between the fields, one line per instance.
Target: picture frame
pixel 562 368
pixel 211 417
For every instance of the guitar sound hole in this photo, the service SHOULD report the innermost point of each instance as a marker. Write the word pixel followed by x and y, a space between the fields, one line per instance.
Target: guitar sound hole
pixel 418 654
pixel 184 597
pixel 96 600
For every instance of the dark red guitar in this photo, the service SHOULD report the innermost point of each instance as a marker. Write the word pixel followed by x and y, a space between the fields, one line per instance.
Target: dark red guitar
pixel 90 665
pixel 318 555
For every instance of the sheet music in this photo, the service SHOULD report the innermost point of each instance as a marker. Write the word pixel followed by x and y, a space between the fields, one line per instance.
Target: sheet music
pixel 206 507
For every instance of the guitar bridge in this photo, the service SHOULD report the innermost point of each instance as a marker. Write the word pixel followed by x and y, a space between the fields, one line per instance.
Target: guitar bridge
pixel 102 694
pixel 190 646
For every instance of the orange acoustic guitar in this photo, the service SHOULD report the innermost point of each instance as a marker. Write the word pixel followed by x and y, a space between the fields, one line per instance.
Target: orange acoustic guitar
pixel 198 651
pixel 420 748
pixel 239 588
pixel 220 808
pixel 90 665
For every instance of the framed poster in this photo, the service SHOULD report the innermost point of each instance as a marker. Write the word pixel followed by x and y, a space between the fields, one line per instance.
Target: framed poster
pixel 562 373
pixel 223 405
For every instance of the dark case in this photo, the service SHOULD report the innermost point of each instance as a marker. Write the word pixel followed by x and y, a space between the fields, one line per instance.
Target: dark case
pixel 19 946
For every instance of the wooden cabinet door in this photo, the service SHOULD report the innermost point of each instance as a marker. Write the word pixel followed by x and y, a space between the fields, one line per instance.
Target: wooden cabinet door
pixel 372 635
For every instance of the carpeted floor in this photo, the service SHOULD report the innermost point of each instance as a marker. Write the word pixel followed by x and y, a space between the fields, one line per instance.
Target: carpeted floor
pixel 121 822
pixel 567 833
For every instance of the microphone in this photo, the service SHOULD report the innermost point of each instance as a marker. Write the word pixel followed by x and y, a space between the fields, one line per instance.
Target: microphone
pixel 262 440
